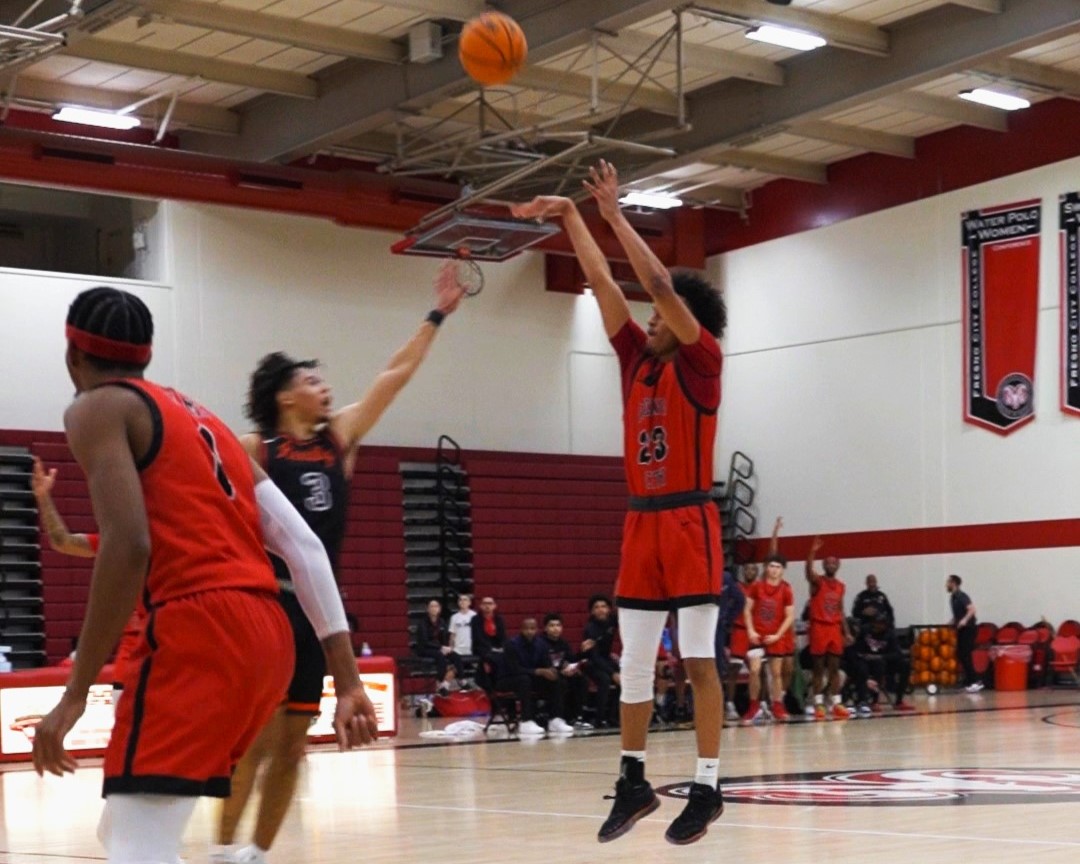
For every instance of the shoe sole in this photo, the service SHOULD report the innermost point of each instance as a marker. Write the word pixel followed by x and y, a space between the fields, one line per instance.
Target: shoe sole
pixel 697 836
pixel 629 823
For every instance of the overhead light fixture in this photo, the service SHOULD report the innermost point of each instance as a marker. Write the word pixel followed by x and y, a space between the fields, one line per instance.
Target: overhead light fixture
pixel 995 99
pixel 785 37
pixel 92 117
pixel 656 200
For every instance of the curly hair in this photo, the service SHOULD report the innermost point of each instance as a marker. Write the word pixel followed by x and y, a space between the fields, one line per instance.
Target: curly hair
pixel 273 374
pixel 116 315
pixel 705 302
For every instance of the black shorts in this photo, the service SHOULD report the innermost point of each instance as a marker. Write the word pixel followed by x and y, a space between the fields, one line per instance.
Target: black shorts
pixel 306 687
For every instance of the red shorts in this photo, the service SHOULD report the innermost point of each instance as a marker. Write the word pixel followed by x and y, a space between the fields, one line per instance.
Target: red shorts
pixel 670 558
pixel 826 638
pixel 125 650
pixel 740 643
pixel 785 647
pixel 205 678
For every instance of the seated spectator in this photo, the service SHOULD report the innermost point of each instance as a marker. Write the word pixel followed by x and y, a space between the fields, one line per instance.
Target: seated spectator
pixel 498 668
pixel 871 602
pixel 461 626
pixel 432 640
pixel 567 663
pixel 877 663
pixel 532 658
pixel 597 651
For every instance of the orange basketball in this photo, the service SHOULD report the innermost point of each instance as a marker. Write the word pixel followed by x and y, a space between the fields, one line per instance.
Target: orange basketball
pixel 935 637
pixel 492 48
pixel 950 664
pixel 946 650
pixel 935 664
pixel 924 637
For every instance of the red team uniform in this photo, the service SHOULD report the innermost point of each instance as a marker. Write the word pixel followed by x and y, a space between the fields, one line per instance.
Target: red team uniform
pixel 770 606
pixel 132 630
pixel 826 618
pixel 671 554
pixel 739 641
pixel 215 655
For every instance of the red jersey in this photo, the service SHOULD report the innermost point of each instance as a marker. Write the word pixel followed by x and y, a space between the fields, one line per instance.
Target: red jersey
pixel 770 605
pixel 669 414
pixel 740 620
pixel 199 491
pixel 827 601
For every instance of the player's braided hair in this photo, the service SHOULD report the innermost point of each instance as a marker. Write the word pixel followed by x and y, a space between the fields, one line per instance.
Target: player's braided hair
pixel 113 315
pixel 271 376
pixel 705 302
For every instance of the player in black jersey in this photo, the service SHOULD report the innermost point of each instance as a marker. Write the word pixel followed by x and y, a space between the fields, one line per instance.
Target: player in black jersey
pixel 309 451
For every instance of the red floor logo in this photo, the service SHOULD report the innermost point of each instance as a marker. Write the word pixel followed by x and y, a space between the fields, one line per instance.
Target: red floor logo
pixel 899 787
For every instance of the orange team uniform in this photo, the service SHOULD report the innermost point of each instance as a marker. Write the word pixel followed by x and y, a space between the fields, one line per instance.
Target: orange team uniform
pixel 770 607
pixel 132 630
pixel 826 617
pixel 671 555
pixel 739 643
pixel 215 655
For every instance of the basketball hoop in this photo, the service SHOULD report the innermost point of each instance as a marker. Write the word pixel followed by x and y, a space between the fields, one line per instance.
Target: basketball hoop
pixel 468 273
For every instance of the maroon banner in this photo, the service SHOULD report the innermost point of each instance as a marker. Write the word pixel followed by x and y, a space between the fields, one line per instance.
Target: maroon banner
pixel 1069 250
pixel 1001 314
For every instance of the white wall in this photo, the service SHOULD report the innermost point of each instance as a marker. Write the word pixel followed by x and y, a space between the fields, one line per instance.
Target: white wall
pixel 843 383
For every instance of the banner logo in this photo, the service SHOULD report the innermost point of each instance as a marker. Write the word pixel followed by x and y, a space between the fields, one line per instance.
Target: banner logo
pixel 1001 308
pixel 901 787
pixel 1069 222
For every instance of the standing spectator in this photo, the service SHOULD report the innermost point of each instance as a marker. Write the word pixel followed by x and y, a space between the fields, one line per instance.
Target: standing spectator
pixel 739 641
pixel 532 659
pixel 432 641
pixel 871 603
pixel 567 663
pixel 461 626
pixel 597 650
pixel 829 633
pixel 770 618
pixel 963 619
pixel 498 667
pixel 732 603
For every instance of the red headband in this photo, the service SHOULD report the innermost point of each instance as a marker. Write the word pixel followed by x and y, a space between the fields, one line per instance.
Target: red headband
pixel 108 349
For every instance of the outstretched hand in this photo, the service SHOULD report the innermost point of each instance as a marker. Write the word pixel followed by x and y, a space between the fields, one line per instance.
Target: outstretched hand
pixel 41 481
pixel 448 290
pixel 604 188
pixel 542 207
pixel 815 545
pixel 355 723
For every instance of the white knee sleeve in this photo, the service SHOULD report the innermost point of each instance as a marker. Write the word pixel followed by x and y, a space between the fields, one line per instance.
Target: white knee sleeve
pixel 640 631
pixel 697 631
pixel 145 829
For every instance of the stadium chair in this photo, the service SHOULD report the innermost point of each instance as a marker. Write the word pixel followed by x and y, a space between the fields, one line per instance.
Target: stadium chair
pixel 1038 639
pixel 1065 657
pixel 984 633
pixel 1007 634
pixel 1071 627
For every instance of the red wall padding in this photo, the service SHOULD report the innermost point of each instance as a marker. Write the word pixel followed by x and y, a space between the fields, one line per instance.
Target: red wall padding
pixel 546 532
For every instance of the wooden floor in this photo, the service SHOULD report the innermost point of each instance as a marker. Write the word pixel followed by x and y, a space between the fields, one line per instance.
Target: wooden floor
pixel 516 802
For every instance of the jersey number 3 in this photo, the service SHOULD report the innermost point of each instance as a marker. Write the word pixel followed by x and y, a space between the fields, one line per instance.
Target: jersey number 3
pixel 653 444
pixel 319 496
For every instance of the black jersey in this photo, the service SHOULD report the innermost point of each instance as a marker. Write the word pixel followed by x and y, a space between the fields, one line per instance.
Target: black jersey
pixel 312 475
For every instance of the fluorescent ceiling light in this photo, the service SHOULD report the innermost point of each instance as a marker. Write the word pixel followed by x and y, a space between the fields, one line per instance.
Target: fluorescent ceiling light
pixel 994 99
pixel 785 37
pixel 90 117
pixel 656 200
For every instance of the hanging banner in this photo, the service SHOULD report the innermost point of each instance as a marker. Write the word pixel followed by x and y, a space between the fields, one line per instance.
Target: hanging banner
pixel 1069 221
pixel 1001 313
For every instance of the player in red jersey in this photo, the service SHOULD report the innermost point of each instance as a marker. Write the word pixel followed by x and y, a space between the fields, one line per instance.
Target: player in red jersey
pixel 770 619
pixel 829 633
pixel 671 558
pixel 185 518
pixel 81 546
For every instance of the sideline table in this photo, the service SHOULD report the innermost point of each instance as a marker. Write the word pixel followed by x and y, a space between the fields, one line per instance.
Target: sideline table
pixel 28 694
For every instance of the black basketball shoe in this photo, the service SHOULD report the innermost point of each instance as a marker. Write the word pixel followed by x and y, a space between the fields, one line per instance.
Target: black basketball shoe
pixel 633 801
pixel 704 807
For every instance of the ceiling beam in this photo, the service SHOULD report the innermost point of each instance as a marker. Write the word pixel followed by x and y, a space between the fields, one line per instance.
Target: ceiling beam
pixel 275 28
pixel 205 118
pixel 456 10
pixel 1037 75
pixel 368 95
pixel 618 92
pixel 840 32
pixel 957 110
pixel 993 7
pixel 726 197
pixel 193 66
pixel 766 163
pixel 854 136
pixel 720 63
pixel 826 82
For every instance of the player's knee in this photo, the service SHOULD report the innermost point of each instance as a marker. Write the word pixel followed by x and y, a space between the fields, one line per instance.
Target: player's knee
pixel 637 684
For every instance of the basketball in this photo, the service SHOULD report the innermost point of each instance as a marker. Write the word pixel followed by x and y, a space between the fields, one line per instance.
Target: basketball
pixel 492 48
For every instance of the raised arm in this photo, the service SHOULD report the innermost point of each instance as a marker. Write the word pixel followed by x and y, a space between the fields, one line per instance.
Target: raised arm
pixel 774 541
pixel 812 575
pixel 614 309
pixel 651 273
pixel 354 421
pixel 60 538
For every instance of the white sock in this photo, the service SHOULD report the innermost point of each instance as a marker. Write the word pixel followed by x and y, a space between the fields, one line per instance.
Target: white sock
pixel 706 771
pixel 835 700
pixel 819 699
pixel 635 754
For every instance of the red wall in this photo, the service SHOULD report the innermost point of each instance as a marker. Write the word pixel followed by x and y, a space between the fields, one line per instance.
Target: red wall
pixel 546 535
